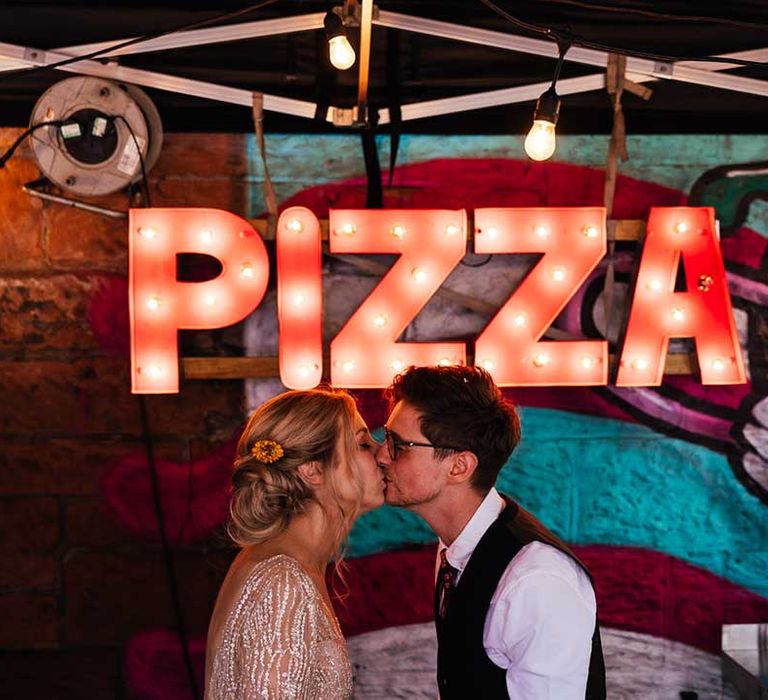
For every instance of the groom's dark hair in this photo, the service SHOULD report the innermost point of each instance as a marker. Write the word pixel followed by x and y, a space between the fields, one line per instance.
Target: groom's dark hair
pixel 461 406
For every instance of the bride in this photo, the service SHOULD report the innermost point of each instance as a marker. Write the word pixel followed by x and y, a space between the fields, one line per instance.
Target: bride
pixel 304 471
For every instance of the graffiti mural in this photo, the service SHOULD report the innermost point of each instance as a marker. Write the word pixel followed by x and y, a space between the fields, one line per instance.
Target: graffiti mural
pixel 663 491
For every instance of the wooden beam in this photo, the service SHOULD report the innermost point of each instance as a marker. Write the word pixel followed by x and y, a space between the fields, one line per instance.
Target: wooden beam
pixel 229 367
pixel 267 367
pixel 680 363
pixel 619 229
pixel 627 229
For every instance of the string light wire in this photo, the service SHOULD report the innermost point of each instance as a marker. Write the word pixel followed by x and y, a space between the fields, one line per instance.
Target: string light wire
pixel 652 14
pixel 577 40
pixel 146 37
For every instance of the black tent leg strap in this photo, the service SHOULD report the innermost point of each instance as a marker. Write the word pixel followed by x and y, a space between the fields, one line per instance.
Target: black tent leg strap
pixel 374 198
pixel 394 97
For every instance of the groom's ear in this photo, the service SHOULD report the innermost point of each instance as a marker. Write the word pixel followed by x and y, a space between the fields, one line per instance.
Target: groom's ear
pixel 311 473
pixel 463 467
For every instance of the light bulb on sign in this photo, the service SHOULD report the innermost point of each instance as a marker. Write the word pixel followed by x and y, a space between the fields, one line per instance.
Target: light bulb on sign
pixel 246 270
pixel 444 362
pixel 418 275
pixel 654 285
pixel 294 226
pixel 305 370
pixel 719 363
pixel 299 299
pixel 541 360
pixel 541 231
pixel 677 315
pixel 209 299
pixel 348 365
pixel 681 227
pixel 590 231
pixel 152 371
pixel 148 233
pixel 640 364
pixel 380 321
pixel 492 232
pixel 452 229
pixel 397 365
pixel 488 365
pixel 398 231
pixel 206 236
pixel 558 273
pixel 153 303
pixel 347 229
pixel 519 320
pixel 588 362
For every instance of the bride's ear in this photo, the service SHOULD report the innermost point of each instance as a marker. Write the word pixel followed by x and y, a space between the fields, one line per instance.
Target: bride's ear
pixel 311 473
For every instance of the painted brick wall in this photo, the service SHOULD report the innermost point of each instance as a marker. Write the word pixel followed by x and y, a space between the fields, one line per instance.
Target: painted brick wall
pixel 76 586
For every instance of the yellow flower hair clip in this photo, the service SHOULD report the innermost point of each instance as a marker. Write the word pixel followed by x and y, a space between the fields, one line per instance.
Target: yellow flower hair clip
pixel 267 451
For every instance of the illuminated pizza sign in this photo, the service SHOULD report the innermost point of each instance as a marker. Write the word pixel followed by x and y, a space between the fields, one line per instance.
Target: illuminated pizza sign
pixel 430 243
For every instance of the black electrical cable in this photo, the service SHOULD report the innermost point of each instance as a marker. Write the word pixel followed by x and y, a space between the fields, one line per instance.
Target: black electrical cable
pixel 533 28
pixel 652 14
pixel 635 53
pixel 12 149
pixel 480 264
pixel 563 44
pixel 578 40
pixel 167 552
pixel 144 180
pixel 145 37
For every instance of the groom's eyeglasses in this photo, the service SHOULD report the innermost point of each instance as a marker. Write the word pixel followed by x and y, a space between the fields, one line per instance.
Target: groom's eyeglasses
pixel 395 444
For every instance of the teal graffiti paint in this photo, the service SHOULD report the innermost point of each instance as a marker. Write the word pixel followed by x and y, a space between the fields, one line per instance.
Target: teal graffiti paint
pixel 299 161
pixel 596 480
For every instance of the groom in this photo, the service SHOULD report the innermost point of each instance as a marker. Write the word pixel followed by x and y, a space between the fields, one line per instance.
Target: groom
pixel 515 610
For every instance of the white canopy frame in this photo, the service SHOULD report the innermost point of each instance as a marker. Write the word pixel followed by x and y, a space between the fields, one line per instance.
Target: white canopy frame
pixel 14 57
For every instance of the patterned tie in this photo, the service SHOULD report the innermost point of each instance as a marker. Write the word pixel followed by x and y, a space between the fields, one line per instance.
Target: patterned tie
pixel 446 582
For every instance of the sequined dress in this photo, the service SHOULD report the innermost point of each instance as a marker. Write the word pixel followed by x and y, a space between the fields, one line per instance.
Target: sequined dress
pixel 280 641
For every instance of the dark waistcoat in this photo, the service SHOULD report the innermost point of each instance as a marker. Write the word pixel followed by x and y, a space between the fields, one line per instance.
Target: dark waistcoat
pixel 463 668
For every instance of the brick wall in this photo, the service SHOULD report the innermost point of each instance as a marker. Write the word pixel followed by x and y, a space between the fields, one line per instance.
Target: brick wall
pixel 74 586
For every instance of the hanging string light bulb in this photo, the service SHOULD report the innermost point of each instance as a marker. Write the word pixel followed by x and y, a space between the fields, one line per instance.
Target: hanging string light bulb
pixel 540 142
pixel 341 53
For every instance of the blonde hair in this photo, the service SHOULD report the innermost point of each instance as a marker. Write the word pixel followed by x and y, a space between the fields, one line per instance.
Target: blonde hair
pixel 311 426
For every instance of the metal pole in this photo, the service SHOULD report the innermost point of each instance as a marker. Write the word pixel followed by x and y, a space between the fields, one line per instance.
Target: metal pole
pixel 366 22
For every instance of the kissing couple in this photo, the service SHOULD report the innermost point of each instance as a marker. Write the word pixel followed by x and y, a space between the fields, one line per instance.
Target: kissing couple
pixel 515 610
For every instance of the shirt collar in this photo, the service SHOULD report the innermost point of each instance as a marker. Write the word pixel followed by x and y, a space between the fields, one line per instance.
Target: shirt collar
pixel 487 513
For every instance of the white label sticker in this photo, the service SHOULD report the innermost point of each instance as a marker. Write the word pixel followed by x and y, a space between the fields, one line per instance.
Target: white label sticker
pixel 99 127
pixel 129 161
pixel 71 131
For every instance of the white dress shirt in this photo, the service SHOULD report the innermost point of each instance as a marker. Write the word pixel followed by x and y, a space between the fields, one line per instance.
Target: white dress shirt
pixel 541 619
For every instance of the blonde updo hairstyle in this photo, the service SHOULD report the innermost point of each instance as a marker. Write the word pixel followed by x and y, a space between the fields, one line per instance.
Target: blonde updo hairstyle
pixel 311 426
